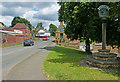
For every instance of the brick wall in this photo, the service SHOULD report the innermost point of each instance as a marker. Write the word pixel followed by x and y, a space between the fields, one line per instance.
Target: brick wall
pixel 112 50
pixel 115 50
pixel 6 44
pixel 19 39
pixel 119 51
pixel 11 38
pixel 16 39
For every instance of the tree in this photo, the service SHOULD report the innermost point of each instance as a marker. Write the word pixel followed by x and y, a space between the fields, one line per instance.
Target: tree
pixel 35 32
pixel 2 23
pixel 20 20
pixel 39 26
pixel 82 21
pixel 52 29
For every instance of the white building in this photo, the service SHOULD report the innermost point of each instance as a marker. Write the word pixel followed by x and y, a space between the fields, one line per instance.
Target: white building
pixel 42 33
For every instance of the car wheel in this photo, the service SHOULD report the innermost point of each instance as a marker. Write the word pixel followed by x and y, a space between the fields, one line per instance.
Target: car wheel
pixel 30 44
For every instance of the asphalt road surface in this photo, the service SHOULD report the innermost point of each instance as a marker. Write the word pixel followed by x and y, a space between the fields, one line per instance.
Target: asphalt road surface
pixel 13 55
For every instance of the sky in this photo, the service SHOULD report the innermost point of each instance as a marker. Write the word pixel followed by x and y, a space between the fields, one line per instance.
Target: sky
pixel 35 12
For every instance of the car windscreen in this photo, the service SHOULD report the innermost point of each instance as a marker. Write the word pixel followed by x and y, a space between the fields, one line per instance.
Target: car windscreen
pixel 26 41
pixel 30 39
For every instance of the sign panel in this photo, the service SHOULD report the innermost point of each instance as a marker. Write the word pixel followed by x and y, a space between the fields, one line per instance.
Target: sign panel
pixel 103 11
pixel 62 29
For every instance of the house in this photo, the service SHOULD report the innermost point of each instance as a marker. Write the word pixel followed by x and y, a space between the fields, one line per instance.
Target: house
pixel 4 35
pixel 41 33
pixel 21 27
pixel 60 35
pixel 16 34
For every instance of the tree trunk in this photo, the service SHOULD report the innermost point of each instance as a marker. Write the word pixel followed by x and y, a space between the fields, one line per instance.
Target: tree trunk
pixel 87 42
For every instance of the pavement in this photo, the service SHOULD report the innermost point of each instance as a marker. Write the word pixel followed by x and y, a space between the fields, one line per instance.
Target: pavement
pixel 12 56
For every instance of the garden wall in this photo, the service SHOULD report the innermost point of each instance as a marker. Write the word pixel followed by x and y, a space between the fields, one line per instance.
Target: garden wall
pixel 112 50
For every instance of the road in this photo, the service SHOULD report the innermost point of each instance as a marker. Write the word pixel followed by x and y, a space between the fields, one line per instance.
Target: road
pixel 13 55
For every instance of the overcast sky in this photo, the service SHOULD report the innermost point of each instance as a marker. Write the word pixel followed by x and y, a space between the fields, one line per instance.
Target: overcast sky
pixel 35 12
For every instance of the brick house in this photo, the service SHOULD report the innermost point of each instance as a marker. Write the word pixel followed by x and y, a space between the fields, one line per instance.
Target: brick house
pixel 60 35
pixel 22 27
pixel 16 34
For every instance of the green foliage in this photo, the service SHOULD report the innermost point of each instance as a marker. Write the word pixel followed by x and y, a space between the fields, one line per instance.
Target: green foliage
pixel 35 32
pixel 11 45
pixel 52 29
pixel 61 76
pixel 20 20
pixel 82 21
pixel 39 26
pixel 2 23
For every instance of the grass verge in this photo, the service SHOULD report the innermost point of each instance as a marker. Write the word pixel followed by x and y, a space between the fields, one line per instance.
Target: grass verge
pixel 62 64
pixel 11 45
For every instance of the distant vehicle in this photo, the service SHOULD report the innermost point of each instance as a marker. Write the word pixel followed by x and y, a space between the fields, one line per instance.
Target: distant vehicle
pixel 29 42
pixel 48 38
pixel 45 38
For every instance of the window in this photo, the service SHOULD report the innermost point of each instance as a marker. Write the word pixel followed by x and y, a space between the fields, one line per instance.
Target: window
pixel 26 31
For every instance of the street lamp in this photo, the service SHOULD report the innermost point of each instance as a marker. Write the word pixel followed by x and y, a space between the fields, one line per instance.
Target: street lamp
pixel 103 11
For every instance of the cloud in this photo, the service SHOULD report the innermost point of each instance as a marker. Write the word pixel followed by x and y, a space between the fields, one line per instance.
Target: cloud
pixel 49 13
pixel 19 8
pixel 35 12
pixel 6 20
pixel 29 0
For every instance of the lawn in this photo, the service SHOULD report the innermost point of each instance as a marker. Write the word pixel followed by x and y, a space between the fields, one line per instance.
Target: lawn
pixel 62 64
pixel 11 45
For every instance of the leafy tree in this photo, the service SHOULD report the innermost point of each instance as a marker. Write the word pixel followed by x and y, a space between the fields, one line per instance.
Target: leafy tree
pixel 39 26
pixel 82 21
pixel 52 29
pixel 35 32
pixel 2 23
pixel 20 20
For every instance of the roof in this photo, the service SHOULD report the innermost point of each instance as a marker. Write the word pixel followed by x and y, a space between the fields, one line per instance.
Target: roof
pixel 10 32
pixel 20 25
pixel 41 31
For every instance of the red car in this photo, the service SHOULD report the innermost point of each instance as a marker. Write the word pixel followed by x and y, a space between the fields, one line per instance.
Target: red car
pixel 45 38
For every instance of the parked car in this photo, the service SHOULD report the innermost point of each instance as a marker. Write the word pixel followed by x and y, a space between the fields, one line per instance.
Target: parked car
pixel 45 38
pixel 29 42
pixel 48 38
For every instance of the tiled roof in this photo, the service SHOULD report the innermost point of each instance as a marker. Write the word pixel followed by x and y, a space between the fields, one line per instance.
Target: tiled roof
pixel 20 25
